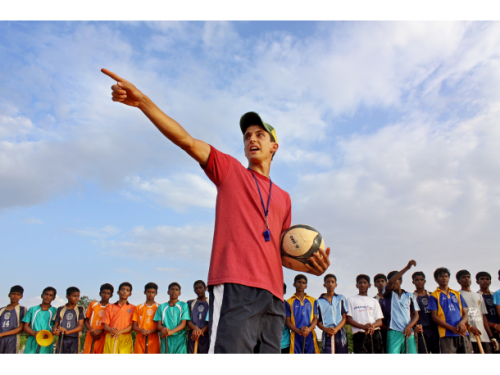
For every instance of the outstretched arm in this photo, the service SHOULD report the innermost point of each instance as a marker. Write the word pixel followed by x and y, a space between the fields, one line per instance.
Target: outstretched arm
pixel 392 280
pixel 126 93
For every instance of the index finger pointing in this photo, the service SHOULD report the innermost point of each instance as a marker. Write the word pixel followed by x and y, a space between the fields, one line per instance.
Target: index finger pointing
pixel 112 75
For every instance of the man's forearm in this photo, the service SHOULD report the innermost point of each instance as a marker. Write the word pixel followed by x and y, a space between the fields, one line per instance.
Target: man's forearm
pixel 393 279
pixel 354 323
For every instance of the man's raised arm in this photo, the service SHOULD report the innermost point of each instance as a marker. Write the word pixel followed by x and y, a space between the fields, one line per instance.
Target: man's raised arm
pixel 127 93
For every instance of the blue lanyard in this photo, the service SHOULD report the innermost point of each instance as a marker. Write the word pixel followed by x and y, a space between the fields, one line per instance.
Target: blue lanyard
pixel 267 233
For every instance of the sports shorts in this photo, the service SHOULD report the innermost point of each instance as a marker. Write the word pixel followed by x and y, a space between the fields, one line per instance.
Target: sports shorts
pixel 98 344
pixel 340 342
pixel 8 344
pixel 244 319
pixel 368 344
pixel 452 345
pixel 123 345
pixel 69 345
pixel 428 341
pixel 397 343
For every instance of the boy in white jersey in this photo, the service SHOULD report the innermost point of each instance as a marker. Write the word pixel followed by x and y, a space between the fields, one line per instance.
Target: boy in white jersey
pixel 365 317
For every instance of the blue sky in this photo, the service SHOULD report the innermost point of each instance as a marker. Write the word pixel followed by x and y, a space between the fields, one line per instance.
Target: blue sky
pixel 389 145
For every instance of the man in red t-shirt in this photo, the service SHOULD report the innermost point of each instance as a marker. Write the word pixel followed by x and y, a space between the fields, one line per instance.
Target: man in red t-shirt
pixel 245 277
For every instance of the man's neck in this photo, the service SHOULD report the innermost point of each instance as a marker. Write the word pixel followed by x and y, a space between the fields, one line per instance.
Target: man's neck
pixel 102 303
pixel 150 303
pixel 364 294
pixel 380 293
pixel 300 295
pixel 70 306
pixel 263 168
pixel 329 295
pixel 466 288
pixel 12 305
pixel 421 291
pixel 398 291
pixel 172 301
pixel 122 301
pixel 444 288
pixel 486 291
pixel 45 306
pixel 202 299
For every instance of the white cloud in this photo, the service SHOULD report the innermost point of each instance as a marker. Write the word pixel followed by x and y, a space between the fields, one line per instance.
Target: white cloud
pixel 106 231
pixel 188 242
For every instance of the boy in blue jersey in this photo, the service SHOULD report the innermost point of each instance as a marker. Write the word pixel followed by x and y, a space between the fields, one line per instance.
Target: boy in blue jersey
pixel 39 318
pixel 69 321
pixel 171 320
pixel 285 336
pixel 496 297
pixel 11 324
pixel 400 314
pixel 301 319
pixel 332 316
pixel 198 327
pixel 428 338
pixel 484 280
pixel 449 312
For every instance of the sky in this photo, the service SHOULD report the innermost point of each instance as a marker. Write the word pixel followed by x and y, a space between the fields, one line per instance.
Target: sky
pixel 388 134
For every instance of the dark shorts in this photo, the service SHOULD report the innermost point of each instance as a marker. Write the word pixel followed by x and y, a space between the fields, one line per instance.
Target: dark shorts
pixel 452 345
pixel 368 344
pixel 244 319
pixel 340 342
pixel 487 348
pixel 69 345
pixel 203 343
pixel 8 344
pixel 285 350
pixel 429 341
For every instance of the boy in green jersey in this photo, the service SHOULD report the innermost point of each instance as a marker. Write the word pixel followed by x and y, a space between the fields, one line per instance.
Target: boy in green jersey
pixel 39 318
pixel 171 320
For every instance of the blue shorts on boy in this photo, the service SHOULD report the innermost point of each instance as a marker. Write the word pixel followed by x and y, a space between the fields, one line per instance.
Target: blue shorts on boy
pixel 198 311
pixel 301 315
pixel 10 320
pixel 38 320
pixel 397 310
pixel 330 315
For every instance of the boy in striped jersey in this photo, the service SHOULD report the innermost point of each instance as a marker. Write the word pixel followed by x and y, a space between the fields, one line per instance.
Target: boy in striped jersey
pixel 93 321
pixel 144 324
pixel 39 318
pixel 171 319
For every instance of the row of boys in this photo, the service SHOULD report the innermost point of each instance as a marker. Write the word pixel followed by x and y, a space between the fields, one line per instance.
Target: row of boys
pixel 160 327
pixel 396 321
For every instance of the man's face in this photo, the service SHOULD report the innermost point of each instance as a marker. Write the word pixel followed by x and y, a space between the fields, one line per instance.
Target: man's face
pixel 484 282
pixel 124 292
pixel 200 290
pixel 419 282
pixel 150 294
pixel 363 285
pixel 380 284
pixel 73 298
pixel 174 292
pixel 330 284
pixel 443 279
pixel 106 295
pixel 258 144
pixel 465 281
pixel 300 285
pixel 15 297
pixel 48 297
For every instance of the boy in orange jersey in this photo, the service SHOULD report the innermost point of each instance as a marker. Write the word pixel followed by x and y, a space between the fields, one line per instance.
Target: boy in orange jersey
pixel 93 321
pixel 118 323
pixel 144 324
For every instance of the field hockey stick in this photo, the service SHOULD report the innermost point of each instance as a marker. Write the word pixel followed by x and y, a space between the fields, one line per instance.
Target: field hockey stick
pixel 425 345
pixel 114 346
pixel 61 341
pixel 196 345
pixel 92 346
pixel 371 338
pixel 406 344
pixel 146 350
pixel 333 343
pixel 478 339
pixel 303 344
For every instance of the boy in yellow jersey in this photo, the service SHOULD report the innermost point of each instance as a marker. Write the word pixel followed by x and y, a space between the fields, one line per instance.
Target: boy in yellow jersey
pixel 144 324
pixel 301 319
pixel 93 321
pixel 118 323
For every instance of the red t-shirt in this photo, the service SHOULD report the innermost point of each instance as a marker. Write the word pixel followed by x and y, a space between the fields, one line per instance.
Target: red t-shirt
pixel 240 253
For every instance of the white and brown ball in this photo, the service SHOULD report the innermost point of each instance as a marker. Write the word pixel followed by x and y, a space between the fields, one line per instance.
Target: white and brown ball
pixel 298 244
